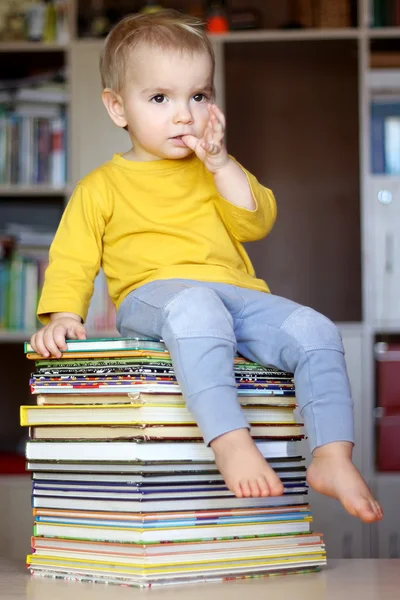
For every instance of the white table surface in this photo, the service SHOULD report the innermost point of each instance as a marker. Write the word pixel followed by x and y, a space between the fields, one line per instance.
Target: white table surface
pixel 341 580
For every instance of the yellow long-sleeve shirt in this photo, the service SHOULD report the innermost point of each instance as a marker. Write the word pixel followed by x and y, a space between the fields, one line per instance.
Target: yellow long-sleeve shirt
pixel 143 221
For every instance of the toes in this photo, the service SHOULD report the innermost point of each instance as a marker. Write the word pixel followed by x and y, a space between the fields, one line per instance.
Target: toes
pixel 263 486
pixel 378 510
pixel 365 509
pixel 255 489
pixel 276 487
pixel 237 490
pixel 245 488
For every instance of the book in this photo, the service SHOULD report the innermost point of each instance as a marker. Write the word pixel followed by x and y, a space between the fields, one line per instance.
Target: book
pixel 146 451
pixel 99 387
pixel 136 414
pixel 135 533
pixel 103 570
pixel 211 475
pixel 250 571
pixel 159 354
pixel 147 494
pixel 179 558
pixel 166 504
pixel 104 344
pixel 182 556
pixel 111 366
pixel 141 467
pixel 382 109
pixel 267 544
pixel 157 520
pixel 146 378
pixel 151 432
pixel 136 397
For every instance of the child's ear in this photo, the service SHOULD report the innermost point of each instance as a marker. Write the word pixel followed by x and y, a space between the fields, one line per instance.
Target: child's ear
pixel 115 108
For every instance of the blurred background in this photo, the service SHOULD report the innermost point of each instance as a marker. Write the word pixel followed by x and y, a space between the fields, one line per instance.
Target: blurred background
pixel 311 92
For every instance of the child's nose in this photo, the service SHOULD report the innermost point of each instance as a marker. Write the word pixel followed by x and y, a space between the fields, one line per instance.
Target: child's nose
pixel 183 115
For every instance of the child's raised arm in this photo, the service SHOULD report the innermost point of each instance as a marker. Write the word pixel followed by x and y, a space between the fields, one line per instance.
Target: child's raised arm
pixel 248 208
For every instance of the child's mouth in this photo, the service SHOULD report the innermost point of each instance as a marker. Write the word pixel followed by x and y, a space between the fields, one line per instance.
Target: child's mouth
pixel 178 140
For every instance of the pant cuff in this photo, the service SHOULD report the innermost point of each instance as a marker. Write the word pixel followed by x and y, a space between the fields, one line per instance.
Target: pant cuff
pixel 217 411
pixel 328 422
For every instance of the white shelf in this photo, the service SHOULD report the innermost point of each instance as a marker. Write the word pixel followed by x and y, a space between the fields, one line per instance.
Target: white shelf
pixel 272 35
pixel 383 80
pixel 31 47
pixel 32 190
pixel 256 35
pixel 385 178
pixel 14 336
pixel 384 32
pixel 386 328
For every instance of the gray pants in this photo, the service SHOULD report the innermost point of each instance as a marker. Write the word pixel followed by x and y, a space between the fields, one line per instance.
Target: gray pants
pixel 203 324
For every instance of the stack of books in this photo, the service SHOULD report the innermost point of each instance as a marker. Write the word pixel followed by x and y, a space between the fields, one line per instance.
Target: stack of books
pixel 124 489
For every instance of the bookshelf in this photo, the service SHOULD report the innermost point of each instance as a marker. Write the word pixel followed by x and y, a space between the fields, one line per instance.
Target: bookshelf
pixel 300 121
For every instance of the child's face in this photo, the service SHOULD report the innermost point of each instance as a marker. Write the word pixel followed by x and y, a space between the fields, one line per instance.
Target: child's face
pixel 165 96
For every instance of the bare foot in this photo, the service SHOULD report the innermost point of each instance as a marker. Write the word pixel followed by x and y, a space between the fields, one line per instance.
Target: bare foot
pixel 333 473
pixel 243 467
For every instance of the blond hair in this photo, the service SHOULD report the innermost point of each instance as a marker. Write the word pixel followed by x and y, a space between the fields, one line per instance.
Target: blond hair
pixel 165 29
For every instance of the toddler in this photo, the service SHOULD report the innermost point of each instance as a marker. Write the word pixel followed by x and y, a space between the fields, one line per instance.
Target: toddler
pixel 166 221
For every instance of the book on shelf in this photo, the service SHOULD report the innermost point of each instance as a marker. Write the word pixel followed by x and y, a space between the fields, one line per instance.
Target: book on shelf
pixel 384 60
pixel 22 272
pixel 384 13
pixel 385 134
pixel 333 13
pixel 392 145
pixel 33 145
pixel 21 277
pixel 46 93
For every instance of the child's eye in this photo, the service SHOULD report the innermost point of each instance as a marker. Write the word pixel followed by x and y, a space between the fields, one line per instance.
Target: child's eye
pixel 200 98
pixel 158 98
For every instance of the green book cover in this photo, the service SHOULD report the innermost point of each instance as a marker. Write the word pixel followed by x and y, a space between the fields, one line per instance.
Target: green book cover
pixel 104 344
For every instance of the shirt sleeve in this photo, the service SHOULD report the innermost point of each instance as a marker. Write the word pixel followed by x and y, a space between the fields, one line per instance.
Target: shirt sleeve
pixel 75 257
pixel 250 225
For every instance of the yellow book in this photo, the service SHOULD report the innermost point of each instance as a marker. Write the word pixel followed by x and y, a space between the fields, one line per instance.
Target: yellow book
pixel 317 557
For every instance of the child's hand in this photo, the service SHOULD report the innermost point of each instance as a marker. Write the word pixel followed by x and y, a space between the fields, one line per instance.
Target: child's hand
pixel 210 148
pixel 50 340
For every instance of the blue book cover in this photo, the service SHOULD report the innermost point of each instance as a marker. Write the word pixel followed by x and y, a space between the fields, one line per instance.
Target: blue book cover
pixel 380 110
